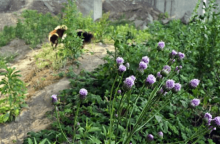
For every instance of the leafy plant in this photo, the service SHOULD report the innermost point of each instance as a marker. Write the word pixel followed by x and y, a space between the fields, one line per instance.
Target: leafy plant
pixel 14 91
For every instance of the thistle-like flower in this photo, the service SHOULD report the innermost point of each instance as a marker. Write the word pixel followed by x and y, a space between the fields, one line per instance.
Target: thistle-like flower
pixel 150 79
pixel 122 68
pixel 195 102
pixel 194 83
pixel 83 93
pixel 120 60
pixel 160 46
pixel 54 98
pixel 146 59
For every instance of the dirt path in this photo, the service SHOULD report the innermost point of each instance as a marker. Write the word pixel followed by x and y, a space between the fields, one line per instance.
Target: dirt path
pixel 35 118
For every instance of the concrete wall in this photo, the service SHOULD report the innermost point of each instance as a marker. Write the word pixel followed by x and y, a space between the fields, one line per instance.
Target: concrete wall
pixel 90 7
pixel 175 8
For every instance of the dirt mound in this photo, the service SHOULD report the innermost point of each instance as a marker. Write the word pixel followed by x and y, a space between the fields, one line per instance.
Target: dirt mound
pixel 130 10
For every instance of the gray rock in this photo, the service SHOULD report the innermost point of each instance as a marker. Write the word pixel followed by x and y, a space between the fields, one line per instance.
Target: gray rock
pixel 185 19
pixel 138 23
pixel 132 18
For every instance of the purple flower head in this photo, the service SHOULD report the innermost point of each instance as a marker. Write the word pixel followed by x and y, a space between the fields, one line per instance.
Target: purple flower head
pixel 127 65
pixel 119 91
pixel 169 84
pixel 160 92
pixel 128 83
pixel 194 83
pixel 54 98
pixel 150 79
pixel 181 55
pixel 160 46
pixel 142 65
pixel 160 134
pixel 122 68
pixel 177 87
pixel 173 54
pixel 120 60
pixel 208 118
pixel 168 68
pixel 216 121
pixel 83 93
pixel 78 123
pixel 195 102
pixel 116 115
pixel 159 76
pixel 133 77
pixel 150 137
pixel 146 59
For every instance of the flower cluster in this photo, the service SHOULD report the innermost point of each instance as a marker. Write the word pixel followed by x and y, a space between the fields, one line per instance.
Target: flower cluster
pixel 129 82
pixel 213 122
pixel 160 46
pixel 54 98
pixel 195 102
pixel 143 64
pixel 83 93
pixel 150 79
pixel 194 83
pixel 120 60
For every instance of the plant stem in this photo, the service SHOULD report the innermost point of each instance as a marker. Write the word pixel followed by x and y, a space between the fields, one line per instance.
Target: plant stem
pixel 75 119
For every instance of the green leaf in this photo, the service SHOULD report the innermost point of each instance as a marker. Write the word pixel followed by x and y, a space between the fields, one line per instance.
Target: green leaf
pixel 95 140
pixel 30 141
pixel 94 129
pixel 6 116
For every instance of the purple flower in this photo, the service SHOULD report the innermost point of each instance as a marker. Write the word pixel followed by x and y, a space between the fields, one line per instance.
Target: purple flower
pixel 169 84
pixel 160 134
pixel 173 54
pixel 150 79
pixel 133 77
pixel 159 76
pixel 194 83
pixel 116 115
pixel 150 137
pixel 181 55
pixel 128 83
pixel 54 98
pixel 195 102
pixel 122 68
pixel 216 121
pixel 168 68
pixel 142 65
pixel 83 93
pixel 127 65
pixel 119 91
pixel 161 45
pixel 160 92
pixel 177 87
pixel 146 59
pixel 78 123
pixel 120 60
pixel 208 118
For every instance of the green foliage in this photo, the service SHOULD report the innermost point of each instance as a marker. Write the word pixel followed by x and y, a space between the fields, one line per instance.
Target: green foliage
pixel 35 27
pixel 7 35
pixel 13 90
